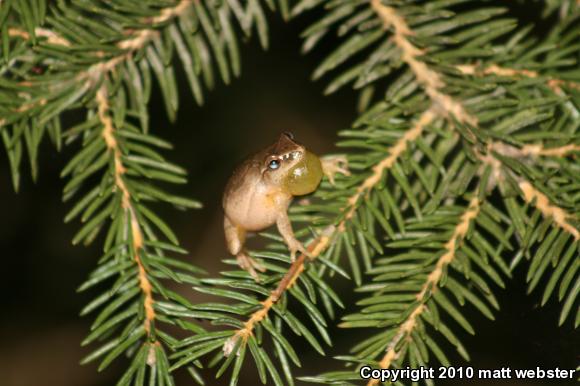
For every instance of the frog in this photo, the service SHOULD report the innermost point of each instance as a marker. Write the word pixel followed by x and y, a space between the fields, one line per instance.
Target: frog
pixel 260 190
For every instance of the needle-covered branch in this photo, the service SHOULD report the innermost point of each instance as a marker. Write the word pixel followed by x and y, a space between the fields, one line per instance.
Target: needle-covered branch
pixel 136 304
pixel 130 216
pixel 57 65
pixel 514 114
pixel 409 325
pixel 101 56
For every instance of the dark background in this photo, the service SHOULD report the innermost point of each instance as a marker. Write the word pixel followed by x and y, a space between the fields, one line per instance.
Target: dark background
pixel 40 329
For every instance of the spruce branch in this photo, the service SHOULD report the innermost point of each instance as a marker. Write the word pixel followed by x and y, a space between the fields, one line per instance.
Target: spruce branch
pixel 408 326
pixel 560 151
pixel 455 92
pixel 540 201
pixel 530 194
pixel 61 66
pixel 126 204
pixel 130 318
pixel 557 85
pixel 410 54
pixel 431 81
pixel 136 40
pixel 353 210
pixel 533 150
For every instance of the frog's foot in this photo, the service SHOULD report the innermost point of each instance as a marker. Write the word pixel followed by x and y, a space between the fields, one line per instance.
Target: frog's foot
pixel 248 264
pixel 296 246
pixel 334 164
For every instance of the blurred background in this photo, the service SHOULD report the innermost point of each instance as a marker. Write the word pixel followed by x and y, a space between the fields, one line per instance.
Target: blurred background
pixel 40 330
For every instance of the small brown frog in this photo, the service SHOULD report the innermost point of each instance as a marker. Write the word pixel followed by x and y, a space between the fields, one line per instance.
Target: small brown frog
pixel 260 190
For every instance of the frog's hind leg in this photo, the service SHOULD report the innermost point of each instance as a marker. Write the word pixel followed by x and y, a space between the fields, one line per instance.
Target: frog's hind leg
pixel 235 239
pixel 235 236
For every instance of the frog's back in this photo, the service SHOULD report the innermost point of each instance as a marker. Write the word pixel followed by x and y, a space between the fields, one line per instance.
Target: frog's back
pixel 248 170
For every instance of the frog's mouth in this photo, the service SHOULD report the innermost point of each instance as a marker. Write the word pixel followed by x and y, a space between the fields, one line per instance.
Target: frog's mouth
pixel 293 155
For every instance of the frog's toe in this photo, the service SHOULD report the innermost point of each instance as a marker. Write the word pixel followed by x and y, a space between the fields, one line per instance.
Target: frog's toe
pixel 333 165
pixel 299 248
pixel 250 265
pixel 293 255
pixel 343 169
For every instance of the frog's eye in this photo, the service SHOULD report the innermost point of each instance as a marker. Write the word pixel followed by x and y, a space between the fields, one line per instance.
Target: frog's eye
pixel 274 164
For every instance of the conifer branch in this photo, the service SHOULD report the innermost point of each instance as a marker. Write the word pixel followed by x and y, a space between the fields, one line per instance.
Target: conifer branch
pixel 530 193
pixel 353 220
pixel 493 69
pixel 430 285
pixel 137 39
pixel 127 205
pixel 410 54
pixel 543 204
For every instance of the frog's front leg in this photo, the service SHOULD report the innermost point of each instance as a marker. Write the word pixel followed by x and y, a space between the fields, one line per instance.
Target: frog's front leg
pixel 285 229
pixel 334 164
pixel 235 238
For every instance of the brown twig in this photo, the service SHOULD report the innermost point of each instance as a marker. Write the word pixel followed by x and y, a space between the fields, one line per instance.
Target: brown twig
pixel 535 150
pixel 108 135
pixel 51 36
pixel 530 193
pixel 542 203
pixel 493 69
pixel 430 285
pixel 560 151
pixel 137 40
